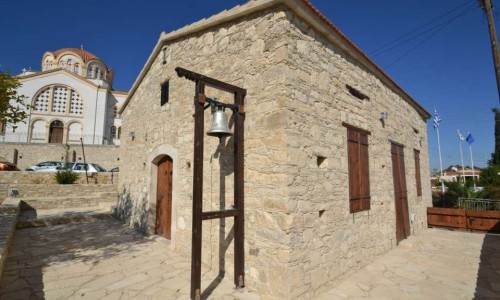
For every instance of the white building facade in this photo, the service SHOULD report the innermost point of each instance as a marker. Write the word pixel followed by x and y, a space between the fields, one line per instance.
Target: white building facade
pixel 71 98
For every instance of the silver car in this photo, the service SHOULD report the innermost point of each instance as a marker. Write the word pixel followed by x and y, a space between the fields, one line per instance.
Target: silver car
pixel 80 167
pixel 46 166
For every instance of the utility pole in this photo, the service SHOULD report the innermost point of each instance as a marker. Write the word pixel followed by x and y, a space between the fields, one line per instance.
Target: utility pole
pixel 486 5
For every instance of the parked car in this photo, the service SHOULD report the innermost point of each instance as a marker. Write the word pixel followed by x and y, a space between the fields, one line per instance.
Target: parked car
pixel 46 166
pixel 7 166
pixel 115 169
pixel 80 167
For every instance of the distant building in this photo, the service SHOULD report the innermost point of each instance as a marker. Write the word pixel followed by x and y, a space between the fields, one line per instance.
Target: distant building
pixel 455 173
pixel 71 98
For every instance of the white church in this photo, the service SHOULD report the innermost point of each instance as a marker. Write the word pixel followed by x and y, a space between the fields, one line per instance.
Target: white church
pixel 72 98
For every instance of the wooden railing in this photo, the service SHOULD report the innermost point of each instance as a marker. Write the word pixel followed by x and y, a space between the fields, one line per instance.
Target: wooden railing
pixel 464 219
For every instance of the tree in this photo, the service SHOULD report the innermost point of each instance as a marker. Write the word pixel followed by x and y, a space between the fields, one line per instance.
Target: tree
pixel 12 107
pixel 495 156
pixel 490 181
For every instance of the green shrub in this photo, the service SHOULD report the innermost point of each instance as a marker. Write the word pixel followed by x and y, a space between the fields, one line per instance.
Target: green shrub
pixel 66 177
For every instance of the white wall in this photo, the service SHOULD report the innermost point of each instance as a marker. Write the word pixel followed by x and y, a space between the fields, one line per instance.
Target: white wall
pixel 95 106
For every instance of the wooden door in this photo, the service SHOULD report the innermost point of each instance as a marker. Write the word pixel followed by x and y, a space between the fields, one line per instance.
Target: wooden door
pixel 56 132
pixel 400 192
pixel 164 197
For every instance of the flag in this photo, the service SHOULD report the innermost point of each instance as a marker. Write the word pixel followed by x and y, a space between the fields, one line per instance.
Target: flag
pixel 436 120
pixel 461 137
pixel 469 138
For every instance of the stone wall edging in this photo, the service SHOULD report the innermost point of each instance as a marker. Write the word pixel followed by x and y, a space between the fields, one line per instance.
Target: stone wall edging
pixel 9 211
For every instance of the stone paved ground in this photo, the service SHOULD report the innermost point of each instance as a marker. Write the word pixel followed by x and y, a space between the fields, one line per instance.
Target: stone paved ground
pixel 102 259
pixel 438 264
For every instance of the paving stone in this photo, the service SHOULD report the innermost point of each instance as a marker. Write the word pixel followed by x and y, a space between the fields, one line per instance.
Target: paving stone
pixel 106 261
pixel 437 264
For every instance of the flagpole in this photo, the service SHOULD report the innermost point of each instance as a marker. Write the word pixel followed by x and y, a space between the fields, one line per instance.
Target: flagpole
pixel 440 161
pixel 461 154
pixel 472 163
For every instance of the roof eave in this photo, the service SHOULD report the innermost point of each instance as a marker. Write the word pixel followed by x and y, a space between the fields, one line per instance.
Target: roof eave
pixel 302 8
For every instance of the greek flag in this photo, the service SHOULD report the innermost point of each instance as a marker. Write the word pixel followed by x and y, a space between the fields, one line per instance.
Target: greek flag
pixel 436 120
pixel 470 139
pixel 461 136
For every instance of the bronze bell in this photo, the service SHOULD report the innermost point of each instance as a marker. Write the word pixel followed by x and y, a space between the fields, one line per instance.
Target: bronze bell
pixel 220 124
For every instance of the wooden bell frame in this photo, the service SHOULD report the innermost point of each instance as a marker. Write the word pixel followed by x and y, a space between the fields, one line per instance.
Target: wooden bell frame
pixel 201 102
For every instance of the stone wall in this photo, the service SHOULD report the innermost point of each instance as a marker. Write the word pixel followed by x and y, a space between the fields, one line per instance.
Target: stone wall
pixel 329 240
pixel 31 154
pixel 27 177
pixel 299 234
pixel 247 54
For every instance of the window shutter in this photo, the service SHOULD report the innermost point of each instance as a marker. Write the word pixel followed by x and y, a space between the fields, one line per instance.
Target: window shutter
pixel 364 173
pixel 359 176
pixel 417 172
pixel 354 179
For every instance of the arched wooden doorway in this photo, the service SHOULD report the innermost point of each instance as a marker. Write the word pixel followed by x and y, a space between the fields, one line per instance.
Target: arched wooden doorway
pixel 164 197
pixel 56 132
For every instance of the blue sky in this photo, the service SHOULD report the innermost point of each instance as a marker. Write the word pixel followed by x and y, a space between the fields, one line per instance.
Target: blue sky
pixel 450 67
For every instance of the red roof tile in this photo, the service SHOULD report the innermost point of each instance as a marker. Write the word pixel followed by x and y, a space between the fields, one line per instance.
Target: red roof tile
pixel 83 54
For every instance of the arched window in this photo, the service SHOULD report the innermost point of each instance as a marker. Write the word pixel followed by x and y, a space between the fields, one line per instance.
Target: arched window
pixel 118 135
pixel 96 73
pixel 59 99
pixel 113 132
pixel 69 64
pixel 77 68
pixel 61 64
pixel 90 72
pixel 61 95
pixel 115 111
pixel 41 103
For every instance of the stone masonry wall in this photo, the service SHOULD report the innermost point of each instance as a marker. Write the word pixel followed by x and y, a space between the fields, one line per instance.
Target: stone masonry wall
pixel 27 177
pixel 248 54
pixel 328 241
pixel 30 154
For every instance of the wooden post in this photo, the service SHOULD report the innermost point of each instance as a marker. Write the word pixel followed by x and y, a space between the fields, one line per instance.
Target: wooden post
pixel 239 219
pixel 84 161
pixel 199 119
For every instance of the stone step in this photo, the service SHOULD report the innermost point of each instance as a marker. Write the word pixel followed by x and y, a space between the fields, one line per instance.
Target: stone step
pixel 37 190
pixel 51 217
pixel 66 202
pixel 106 194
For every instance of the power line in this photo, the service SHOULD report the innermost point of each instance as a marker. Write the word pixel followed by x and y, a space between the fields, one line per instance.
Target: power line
pixel 407 36
pixel 430 36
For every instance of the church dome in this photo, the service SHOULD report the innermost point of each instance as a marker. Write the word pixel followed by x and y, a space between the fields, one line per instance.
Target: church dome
pixel 83 54
pixel 78 61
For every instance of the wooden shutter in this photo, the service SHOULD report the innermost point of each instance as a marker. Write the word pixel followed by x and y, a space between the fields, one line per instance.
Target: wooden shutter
pixel 417 172
pixel 365 172
pixel 359 175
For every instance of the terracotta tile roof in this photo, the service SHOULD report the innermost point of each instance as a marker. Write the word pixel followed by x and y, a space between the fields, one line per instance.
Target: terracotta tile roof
pixel 83 54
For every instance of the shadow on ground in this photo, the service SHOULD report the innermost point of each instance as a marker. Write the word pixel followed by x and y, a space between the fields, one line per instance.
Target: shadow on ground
pixel 34 249
pixel 488 275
